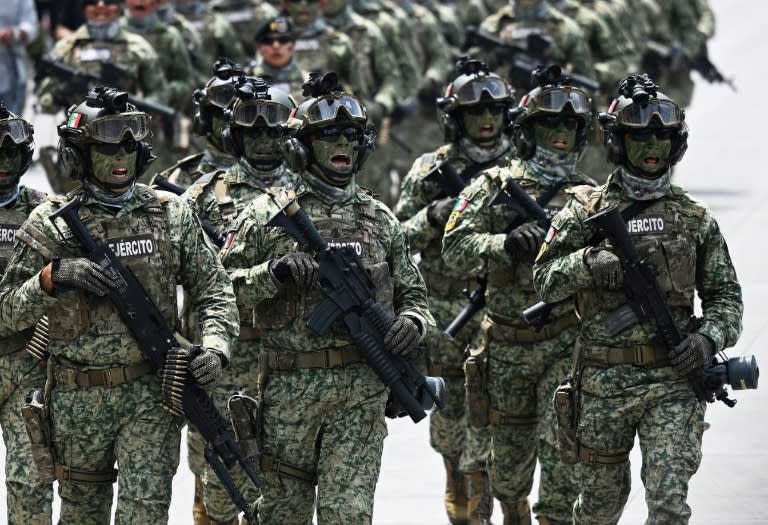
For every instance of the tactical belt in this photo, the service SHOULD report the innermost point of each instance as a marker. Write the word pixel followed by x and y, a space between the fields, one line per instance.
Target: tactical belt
pixel 249 333
pixel 502 330
pixel 64 473
pixel 447 285
pixel 66 378
pixel 272 464
pixel 590 457
pixel 15 342
pixel 497 417
pixel 446 371
pixel 640 355
pixel 281 360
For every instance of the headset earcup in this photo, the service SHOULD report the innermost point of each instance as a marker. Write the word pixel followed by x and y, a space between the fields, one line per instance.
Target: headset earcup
pixel 296 154
pixel 230 143
pixel 681 146
pixel 144 158
pixel 614 148
pixel 71 161
pixel 201 124
pixel 449 127
pixel 522 136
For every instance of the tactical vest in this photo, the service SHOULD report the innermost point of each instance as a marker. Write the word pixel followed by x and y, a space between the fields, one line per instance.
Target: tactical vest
pixel 363 49
pixel 142 241
pixel 358 229
pixel 661 236
pixel 88 55
pixel 312 52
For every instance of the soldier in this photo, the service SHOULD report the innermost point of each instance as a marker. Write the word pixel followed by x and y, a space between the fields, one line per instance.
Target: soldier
pixel 29 499
pixel 246 16
pixel 218 197
pixel 103 392
pixel 275 63
pixel 323 414
pixel 18 28
pixel 627 383
pixel 474 119
pixel 98 42
pixel 522 365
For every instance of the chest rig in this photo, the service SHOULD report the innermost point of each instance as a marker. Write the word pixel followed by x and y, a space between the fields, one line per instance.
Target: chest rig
pixel 89 56
pixel 311 52
pixel 660 235
pixel 355 227
pixel 141 240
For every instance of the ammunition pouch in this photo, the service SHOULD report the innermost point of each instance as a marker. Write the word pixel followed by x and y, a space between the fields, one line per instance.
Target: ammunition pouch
pixel 567 419
pixel 476 383
pixel 35 415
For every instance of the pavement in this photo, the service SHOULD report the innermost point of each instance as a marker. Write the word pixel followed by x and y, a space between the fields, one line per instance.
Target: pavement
pixel 722 168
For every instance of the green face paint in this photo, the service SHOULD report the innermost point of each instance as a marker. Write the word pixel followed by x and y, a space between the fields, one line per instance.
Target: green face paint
pixel 482 124
pixel 10 166
pixel 260 147
pixel 648 153
pixel 302 12
pixel 334 7
pixel 114 172
pixel 559 140
pixel 337 156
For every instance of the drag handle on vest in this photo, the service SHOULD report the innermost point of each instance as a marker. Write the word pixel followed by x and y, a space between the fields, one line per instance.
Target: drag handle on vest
pixel 155 337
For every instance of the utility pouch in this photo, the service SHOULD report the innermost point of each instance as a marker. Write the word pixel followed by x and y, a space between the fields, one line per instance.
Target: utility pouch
pixel 245 416
pixel 476 387
pixel 35 415
pixel 565 411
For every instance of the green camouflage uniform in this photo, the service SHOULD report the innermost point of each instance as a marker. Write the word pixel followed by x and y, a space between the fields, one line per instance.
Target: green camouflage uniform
pixel 326 422
pixel 524 366
pixel 247 17
pixel 218 198
pixel 218 38
pixel 449 22
pixel 618 401
pixel 95 426
pixel 472 12
pixel 29 500
pixel 289 78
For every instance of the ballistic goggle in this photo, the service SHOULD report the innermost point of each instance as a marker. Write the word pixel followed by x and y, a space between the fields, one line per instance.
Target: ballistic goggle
pixel 637 116
pixel 246 113
pixel 113 128
pixel 472 93
pixel 554 100
pixel 327 109
pixel 19 130
pixel 220 95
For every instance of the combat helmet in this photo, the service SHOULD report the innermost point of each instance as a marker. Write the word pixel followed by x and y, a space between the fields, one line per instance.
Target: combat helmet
pixel 16 137
pixel 473 85
pixel 217 95
pixel 553 95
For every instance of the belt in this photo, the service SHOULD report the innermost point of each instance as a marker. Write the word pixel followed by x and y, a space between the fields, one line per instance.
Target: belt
pixel 497 417
pixel 281 360
pixel 64 473
pixel 447 371
pixel 66 378
pixel 248 332
pixel 509 332
pixel 590 456
pixel 639 355
pixel 272 464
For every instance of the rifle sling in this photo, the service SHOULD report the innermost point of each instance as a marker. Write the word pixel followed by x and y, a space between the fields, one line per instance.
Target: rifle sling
pixel 627 213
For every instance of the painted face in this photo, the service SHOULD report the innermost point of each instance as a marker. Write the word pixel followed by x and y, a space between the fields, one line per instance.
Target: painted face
pixel 276 49
pixel 101 12
pixel 113 166
pixel 10 166
pixel 140 9
pixel 304 12
pixel 555 134
pixel 483 122
pixel 648 150
pixel 334 7
pixel 260 146
pixel 333 149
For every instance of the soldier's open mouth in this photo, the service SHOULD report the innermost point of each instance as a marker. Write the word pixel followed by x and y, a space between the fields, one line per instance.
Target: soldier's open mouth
pixel 4 174
pixel 560 143
pixel 120 172
pixel 341 160
pixel 651 161
pixel 488 129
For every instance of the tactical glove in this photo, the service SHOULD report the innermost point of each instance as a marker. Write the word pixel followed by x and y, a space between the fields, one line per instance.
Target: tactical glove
pixel 206 366
pixel 524 240
pixel 605 268
pixel 402 338
pixel 693 352
pixel 438 212
pixel 80 272
pixel 298 268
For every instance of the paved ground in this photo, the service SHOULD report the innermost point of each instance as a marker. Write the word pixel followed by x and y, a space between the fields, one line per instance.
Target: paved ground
pixel 722 167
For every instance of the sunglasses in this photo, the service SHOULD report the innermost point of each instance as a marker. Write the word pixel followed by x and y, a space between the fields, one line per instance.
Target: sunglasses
pixel 106 2
pixel 644 135
pixel 282 40
pixel 494 109
pixel 9 148
pixel 553 122
pixel 270 132
pixel 128 146
pixel 331 134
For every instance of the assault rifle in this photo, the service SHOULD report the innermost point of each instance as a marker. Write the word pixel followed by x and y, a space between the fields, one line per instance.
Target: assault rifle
pixel 156 338
pixel 214 234
pixel 659 57
pixel 521 60
pixel 111 75
pixel 708 70
pixel 351 297
pixel 646 300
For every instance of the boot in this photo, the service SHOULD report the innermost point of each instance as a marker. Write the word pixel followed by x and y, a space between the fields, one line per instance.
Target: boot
pixel 480 500
pixel 519 514
pixel 455 492
pixel 199 516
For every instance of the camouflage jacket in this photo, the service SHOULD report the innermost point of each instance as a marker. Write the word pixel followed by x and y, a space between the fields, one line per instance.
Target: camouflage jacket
pixel 678 234
pixel 289 78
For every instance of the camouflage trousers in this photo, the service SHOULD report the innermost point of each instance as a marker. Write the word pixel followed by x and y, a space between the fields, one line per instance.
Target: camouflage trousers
pixel 522 379
pixel 28 499
pixel 97 426
pixel 329 422
pixel 618 403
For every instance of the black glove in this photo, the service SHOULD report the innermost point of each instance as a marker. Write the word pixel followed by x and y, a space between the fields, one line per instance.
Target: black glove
pixel 206 366
pixel 524 240
pixel 401 338
pixel 693 352
pixel 605 268
pixel 297 268
pixel 438 212
pixel 80 272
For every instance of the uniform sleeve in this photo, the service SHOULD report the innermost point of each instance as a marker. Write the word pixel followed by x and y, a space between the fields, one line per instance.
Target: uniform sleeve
pixel 559 270
pixel 178 69
pixel 390 82
pixel 718 287
pixel 151 78
pixel 411 209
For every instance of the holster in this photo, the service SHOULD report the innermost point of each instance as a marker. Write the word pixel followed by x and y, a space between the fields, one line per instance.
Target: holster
pixel 35 415
pixel 245 414
pixel 476 381
pixel 567 412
